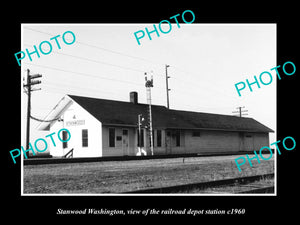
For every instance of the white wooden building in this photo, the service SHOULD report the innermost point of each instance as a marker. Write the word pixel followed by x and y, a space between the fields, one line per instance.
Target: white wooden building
pixel 102 127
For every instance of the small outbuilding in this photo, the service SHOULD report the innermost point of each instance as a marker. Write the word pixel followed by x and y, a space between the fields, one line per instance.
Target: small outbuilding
pixel 101 127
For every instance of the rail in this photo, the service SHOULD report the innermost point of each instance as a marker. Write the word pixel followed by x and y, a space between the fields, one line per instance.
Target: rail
pixel 259 190
pixel 204 185
pixel 51 160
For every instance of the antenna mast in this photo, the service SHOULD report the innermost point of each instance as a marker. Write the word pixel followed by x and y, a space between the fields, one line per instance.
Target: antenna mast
pixel 149 85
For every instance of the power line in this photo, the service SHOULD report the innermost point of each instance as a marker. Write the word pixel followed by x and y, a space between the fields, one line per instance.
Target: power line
pixel 215 91
pixel 103 49
pixel 57 85
pixel 84 89
pixel 130 82
pixel 84 74
pixel 96 61
pixel 41 120
pixel 101 62
pixel 211 85
pixel 218 91
pixel 120 53
pixel 89 75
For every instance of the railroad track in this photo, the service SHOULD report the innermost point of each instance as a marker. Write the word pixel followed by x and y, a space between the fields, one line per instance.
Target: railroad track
pixel 259 190
pixel 50 160
pixel 235 185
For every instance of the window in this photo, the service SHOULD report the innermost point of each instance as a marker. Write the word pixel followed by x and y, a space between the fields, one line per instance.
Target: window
pixel 119 138
pixel 158 138
pixel 142 138
pixel 196 134
pixel 84 138
pixel 111 132
pixel 65 137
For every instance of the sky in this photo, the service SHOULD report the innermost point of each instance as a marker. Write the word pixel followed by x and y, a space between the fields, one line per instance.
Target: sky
pixel 105 61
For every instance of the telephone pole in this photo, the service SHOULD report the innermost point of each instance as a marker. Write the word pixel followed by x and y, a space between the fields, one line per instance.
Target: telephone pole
pixel 30 82
pixel 241 112
pixel 167 86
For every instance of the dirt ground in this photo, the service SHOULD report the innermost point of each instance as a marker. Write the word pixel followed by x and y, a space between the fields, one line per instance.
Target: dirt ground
pixel 122 176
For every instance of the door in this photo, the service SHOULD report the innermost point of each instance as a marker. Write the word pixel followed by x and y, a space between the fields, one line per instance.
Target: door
pixel 248 142
pixel 125 142
pixel 241 141
pixel 168 142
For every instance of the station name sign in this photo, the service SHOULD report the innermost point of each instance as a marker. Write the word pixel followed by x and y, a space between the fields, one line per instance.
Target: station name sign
pixel 75 123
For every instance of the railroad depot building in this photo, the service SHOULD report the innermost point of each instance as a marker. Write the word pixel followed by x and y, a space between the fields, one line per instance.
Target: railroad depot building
pixel 101 127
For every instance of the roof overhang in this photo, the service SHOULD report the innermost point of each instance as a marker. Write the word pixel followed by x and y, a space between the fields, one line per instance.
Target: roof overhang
pixel 218 129
pixel 55 113
pixel 119 125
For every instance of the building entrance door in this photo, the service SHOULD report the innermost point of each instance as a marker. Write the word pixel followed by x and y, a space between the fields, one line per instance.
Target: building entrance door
pixel 125 142
pixel 168 142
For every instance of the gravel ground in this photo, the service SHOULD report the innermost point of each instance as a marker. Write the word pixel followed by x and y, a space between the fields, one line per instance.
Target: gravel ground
pixel 122 176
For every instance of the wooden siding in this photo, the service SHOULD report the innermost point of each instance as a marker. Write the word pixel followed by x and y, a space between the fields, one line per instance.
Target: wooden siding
pixel 212 141
pixel 208 141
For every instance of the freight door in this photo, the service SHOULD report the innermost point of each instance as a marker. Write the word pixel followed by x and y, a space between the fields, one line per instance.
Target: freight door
pixel 248 142
pixel 125 142
pixel 241 141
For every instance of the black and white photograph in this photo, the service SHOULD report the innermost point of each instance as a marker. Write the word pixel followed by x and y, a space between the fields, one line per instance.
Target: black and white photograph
pixel 158 113
pixel 160 117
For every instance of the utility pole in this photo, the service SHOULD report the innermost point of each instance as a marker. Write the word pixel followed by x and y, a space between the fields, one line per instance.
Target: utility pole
pixel 241 112
pixel 167 86
pixel 28 109
pixel 30 83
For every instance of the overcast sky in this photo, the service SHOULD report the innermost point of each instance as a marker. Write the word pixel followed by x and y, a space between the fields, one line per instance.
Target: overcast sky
pixel 206 60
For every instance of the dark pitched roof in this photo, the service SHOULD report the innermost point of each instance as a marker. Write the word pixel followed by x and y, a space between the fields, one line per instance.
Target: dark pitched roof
pixel 111 112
